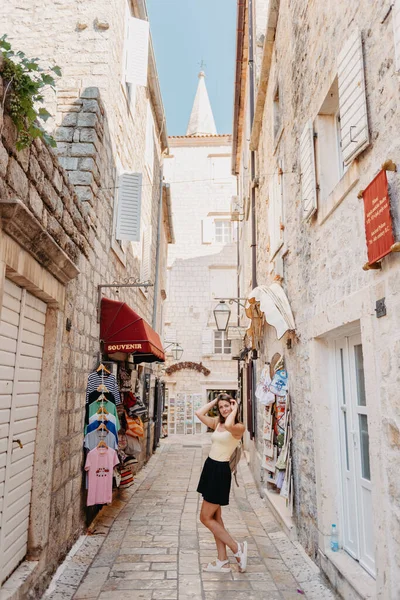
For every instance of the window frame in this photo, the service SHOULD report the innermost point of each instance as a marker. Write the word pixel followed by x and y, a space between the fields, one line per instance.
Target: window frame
pixel 226 343
pixel 223 222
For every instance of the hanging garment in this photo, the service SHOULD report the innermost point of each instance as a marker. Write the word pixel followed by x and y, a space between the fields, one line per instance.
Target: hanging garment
pixel 96 379
pixel 124 378
pixel 126 477
pixel 133 446
pixel 91 410
pixel 94 396
pixel 279 383
pixel 100 463
pixel 107 416
pixel 135 426
pixel 263 392
pixel 92 439
pixel 110 427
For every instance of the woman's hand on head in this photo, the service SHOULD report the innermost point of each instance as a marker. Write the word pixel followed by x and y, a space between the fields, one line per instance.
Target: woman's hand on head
pixel 234 404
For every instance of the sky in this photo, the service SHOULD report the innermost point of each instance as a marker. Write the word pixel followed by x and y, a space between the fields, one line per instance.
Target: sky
pixel 184 33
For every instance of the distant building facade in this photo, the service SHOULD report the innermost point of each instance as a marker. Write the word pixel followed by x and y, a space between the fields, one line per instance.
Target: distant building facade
pixel 201 264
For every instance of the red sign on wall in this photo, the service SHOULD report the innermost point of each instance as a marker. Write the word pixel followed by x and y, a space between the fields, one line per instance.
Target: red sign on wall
pixel 378 220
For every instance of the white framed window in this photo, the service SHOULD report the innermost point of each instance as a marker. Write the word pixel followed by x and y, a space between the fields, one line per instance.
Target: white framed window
pixel 221 343
pixel 223 231
pixel 149 154
pixel 340 131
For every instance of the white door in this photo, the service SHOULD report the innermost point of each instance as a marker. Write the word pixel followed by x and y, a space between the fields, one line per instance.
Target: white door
pixel 21 346
pixel 357 535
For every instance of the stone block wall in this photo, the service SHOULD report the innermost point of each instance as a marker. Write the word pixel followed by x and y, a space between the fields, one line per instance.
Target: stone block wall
pixel 322 264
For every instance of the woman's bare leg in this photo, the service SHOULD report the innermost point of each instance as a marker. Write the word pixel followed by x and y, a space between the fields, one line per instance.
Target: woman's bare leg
pixel 207 517
pixel 221 547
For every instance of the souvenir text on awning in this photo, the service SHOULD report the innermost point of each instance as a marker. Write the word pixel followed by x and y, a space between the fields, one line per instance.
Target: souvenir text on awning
pixel 123 330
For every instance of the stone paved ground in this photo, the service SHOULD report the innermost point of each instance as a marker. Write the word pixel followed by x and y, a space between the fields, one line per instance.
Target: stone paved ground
pixel 150 545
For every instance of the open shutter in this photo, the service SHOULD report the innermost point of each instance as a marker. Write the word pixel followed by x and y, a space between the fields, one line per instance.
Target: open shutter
pixel 129 207
pixel 396 31
pixel 275 214
pixel 207 230
pixel 208 342
pixel 137 52
pixel 145 273
pixel 352 99
pixel 149 139
pixel 307 166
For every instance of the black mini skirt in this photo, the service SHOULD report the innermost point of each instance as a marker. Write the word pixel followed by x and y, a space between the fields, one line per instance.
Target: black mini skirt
pixel 215 482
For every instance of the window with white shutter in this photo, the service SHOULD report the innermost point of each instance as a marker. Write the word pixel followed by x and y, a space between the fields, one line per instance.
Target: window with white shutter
pixel 396 31
pixel 307 167
pixel 207 342
pixel 149 141
pixel 207 230
pixel 222 345
pixel 145 266
pixel 129 199
pixel 352 99
pixel 137 52
pixel 275 214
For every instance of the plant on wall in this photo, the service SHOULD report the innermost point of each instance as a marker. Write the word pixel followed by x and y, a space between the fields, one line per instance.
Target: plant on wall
pixel 24 82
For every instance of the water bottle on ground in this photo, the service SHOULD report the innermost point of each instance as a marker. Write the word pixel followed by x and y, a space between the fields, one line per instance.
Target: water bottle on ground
pixel 334 539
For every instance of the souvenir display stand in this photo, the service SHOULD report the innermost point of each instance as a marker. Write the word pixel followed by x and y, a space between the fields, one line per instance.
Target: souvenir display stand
pixel 272 392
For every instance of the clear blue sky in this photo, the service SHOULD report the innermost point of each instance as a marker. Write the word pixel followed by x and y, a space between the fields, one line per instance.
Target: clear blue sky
pixel 184 33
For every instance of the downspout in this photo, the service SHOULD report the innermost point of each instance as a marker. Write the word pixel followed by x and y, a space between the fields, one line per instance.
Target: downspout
pixel 253 154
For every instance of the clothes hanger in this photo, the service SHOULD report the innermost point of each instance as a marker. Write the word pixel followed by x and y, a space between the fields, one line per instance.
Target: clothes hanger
pixel 101 367
pixel 101 398
pixel 102 427
pixel 102 388
pixel 102 444
pixel 103 410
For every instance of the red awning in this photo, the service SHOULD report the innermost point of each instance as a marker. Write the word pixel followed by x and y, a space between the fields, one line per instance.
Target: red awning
pixel 122 330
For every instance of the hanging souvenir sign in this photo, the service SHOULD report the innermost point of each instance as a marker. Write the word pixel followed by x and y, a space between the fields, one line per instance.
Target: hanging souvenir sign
pixel 279 383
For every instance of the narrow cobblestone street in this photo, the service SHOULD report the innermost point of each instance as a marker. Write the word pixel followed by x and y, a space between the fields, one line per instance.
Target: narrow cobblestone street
pixel 150 545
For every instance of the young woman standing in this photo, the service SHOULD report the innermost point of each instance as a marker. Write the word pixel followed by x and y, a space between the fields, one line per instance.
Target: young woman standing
pixel 215 479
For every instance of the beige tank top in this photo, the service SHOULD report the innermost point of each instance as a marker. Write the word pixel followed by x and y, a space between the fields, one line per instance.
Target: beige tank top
pixel 223 445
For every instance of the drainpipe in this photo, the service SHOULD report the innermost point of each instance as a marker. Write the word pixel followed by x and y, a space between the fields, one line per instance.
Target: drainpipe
pixel 253 154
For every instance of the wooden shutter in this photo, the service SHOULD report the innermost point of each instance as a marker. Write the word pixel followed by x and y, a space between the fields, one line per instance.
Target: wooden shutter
pixel 207 230
pixel 146 255
pixel 352 99
pixel 275 214
pixel 137 52
pixel 208 342
pixel 307 166
pixel 129 207
pixel 396 31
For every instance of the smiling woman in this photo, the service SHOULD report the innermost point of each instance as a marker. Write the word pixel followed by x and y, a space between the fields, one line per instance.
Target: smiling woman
pixel 215 479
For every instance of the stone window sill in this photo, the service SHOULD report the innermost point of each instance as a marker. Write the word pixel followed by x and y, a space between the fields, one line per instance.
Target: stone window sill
pixel 339 193
pixel 350 571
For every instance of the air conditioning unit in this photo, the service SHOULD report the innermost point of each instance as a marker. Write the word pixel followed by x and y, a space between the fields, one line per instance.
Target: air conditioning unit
pixel 235 208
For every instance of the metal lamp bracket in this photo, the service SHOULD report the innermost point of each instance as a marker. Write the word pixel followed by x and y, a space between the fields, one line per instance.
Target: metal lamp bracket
pixel 129 282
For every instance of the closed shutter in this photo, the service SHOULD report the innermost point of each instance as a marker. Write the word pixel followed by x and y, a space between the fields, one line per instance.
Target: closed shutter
pixel 137 52
pixel 307 166
pixel 352 99
pixel 146 255
pixel 207 231
pixel 207 342
pixel 21 347
pixel 396 31
pixel 129 207
pixel 275 214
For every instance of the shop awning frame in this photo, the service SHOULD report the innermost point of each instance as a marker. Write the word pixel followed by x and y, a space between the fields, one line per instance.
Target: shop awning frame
pixel 123 330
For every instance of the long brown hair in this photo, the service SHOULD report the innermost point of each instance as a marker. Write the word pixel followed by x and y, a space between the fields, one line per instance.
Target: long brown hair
pixel 225 398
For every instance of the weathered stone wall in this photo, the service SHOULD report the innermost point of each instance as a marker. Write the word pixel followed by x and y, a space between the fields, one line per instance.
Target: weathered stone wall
pixel 322 267
pixel 71 192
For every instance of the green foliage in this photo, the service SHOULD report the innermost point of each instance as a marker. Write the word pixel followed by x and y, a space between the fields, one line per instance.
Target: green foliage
pixel 24 81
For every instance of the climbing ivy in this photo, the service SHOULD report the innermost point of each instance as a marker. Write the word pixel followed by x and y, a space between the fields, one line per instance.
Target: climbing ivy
pixel 24 82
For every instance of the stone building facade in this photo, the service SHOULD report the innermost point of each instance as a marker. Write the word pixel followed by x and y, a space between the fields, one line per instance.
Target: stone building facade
pixel 59 242
pixel 326 117
pixel 202 262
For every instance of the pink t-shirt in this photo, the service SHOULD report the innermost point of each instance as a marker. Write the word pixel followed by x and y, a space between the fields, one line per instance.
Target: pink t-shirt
pixel 100 463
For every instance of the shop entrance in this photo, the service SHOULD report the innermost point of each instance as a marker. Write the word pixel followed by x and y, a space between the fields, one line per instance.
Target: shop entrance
pixel 358 536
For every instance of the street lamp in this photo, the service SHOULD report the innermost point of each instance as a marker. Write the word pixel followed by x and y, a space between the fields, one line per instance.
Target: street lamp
pixel 177 351
pixel 222 313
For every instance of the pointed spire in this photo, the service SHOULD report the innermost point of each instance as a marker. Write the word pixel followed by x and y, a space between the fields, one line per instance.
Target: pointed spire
pixel 201 120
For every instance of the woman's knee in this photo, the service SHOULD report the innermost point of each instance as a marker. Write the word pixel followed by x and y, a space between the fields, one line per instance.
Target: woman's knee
pixel 205 519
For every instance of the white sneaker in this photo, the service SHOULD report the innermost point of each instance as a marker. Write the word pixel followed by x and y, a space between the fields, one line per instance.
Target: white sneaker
pixel 241 554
